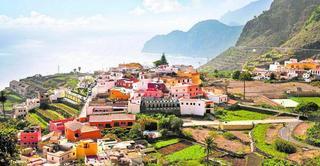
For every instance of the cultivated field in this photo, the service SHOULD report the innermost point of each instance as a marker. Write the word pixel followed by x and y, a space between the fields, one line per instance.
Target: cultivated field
pixel 257 88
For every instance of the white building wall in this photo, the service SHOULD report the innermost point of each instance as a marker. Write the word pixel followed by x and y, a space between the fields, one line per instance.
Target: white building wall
pixel 134 108
pixel 192 107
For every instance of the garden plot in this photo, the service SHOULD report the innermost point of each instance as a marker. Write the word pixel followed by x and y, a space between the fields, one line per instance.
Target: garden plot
pixel 174 147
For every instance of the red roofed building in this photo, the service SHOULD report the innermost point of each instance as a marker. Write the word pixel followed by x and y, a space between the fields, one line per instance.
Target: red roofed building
pixel 58 125
pixel 152 92
pixel 126 83
pixel 112 120
pixel 75 131
pixel 30 136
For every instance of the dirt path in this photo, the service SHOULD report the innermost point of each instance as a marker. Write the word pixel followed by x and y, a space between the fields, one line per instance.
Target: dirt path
pixel 299 157
pixel 286 134
pixel 301 129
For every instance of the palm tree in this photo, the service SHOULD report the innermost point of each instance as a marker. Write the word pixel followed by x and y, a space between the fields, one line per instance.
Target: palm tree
pixel 3 99
pixel 209 145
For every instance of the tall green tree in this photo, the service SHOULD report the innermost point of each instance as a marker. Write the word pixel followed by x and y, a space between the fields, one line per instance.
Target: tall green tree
pixel 209 146
pixel 162 61
pixel 8 142
pixel 236 75
pixel 245 76
pixel 3 99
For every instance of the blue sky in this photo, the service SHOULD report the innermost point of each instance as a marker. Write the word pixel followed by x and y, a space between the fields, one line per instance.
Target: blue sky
pixel 38 35
pixel 156 12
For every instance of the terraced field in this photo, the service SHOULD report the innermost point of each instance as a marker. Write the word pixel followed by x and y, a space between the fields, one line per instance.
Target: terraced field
pixel 71 111
pixel 35 119
pixel 50 114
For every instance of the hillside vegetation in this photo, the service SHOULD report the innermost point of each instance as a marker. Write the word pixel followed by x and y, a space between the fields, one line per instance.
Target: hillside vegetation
pixel 288 23
pixel 206 38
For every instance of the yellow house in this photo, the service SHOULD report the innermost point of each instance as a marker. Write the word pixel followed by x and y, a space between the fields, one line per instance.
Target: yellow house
pixel 307 64
pixel 86 148
pixel 195 76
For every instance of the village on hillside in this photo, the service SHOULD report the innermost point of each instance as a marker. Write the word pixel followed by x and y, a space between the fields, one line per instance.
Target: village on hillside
pixel 165 115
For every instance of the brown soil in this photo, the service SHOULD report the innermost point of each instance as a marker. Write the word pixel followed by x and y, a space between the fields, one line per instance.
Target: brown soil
pixel 242 136
pixel 174 147
pixel 198 134
pixel 257 88
pixel 235 161
pixel 234 145
pixel 272 133
pixel 301 129
pixel 300 156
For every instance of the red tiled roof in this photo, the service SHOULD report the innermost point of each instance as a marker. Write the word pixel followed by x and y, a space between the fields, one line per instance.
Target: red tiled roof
pixel 230 101
pixel 111 117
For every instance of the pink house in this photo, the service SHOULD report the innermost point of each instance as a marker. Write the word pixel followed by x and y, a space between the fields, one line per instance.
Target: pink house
pixel 58 125
pixel 30 136
pixel 158 86
pixel 152 92
pixel 186 91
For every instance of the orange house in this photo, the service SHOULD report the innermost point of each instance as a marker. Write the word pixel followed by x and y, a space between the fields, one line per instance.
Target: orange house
pixel 75 131
pixel 303 65
pixel 112 120
pixel 86 148
pixel 173 81
pixel 119 94
pixel 195 76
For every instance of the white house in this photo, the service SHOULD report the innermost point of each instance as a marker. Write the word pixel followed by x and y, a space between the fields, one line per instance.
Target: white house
pixel 20 110
pixel 134 107
pixel 23 108
pixel 275 67
pixel 59 154
pixel 103 86
pixel 217 98
pixel 192 107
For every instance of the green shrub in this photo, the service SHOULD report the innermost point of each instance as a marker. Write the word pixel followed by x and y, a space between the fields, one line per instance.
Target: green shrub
pixel 285 146
pixel 313 135
pixel 229 136
pixel 187 134
pixel 276 162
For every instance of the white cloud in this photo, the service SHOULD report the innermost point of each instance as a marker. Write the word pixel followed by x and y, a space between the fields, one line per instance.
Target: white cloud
pixel 157 6
pixel 138 11
pixel 162 6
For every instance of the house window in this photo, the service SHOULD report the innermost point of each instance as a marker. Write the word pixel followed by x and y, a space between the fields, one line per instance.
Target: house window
pixel 52 158
pixel 116 123
pixel 108 125
pixel 86 146
pixel 130 123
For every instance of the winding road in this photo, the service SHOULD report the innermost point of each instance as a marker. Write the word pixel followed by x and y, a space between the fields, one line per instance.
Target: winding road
pixel 286 134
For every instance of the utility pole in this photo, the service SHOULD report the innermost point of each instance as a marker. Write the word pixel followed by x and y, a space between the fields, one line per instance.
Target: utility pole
pixel 244 89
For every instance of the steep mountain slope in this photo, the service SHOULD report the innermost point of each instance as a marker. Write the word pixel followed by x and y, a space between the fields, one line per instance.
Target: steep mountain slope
pixel 248 12
pixel 209 37
pixel 285 25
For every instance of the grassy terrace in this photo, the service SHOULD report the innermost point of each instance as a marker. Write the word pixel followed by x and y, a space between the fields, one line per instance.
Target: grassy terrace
pixel 66 108
pixel 228 115
pixel 163 143
pixel 34 119
pixel 192 154
pixel 307 99
pixel 259 136
pixel 50 114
